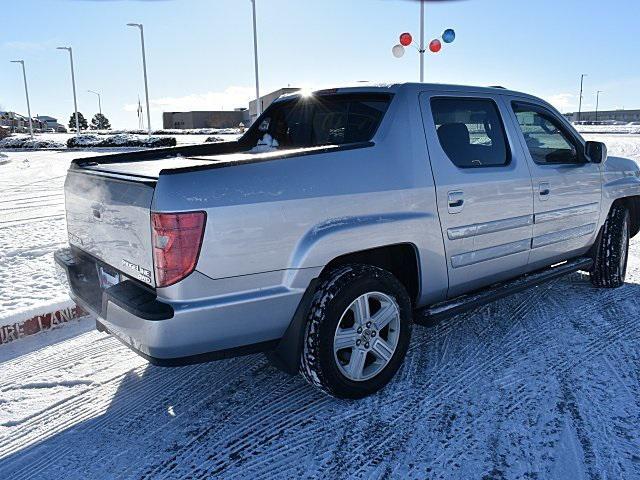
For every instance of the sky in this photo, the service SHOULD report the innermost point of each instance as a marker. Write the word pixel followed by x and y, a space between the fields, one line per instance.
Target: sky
pixel 200 52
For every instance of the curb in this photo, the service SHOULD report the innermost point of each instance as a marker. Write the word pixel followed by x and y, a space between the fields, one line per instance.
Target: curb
pixel 39 323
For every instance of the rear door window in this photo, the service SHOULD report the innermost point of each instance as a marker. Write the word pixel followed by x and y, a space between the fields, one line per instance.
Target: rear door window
pixel 471 132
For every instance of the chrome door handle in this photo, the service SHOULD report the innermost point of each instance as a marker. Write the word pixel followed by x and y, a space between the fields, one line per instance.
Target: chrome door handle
pixel 456 202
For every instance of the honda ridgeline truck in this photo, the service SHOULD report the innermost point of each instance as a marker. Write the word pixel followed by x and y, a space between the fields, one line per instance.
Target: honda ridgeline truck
pixel 323 230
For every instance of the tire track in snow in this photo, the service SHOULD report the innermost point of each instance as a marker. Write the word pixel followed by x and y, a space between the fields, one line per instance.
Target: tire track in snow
pixel 271 396
pixel 101 349
pixel 250 443
pixel 58 417
pixel 31 198
pixel 163 386
pixel 352 459
pixel 21 209
pixel 291 443
pixel 23 221
pixel 288 400
pixel 129 401
pixel 467 377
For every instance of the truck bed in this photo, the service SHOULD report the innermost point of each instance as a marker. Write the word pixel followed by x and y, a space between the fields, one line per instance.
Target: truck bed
pixel 150 164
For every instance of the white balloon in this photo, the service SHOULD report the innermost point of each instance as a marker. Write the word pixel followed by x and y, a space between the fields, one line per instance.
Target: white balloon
pixel 398 51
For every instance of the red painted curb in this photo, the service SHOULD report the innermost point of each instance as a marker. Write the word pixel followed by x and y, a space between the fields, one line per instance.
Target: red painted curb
pixel 39 323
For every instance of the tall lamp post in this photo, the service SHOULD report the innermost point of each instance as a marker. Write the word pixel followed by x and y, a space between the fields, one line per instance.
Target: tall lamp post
pixel 421 41
pixel 580 100
pixel 597 102
pixel 26 92
pixel 73 84
pixel 99 100
pixel 255 59
pixel 144 68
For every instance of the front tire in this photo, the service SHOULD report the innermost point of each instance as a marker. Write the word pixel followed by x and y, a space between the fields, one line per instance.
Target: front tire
pixel 357 333
pixel 612 251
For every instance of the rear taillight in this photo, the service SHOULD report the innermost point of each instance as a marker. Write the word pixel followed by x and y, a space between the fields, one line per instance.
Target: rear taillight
pixel 177 238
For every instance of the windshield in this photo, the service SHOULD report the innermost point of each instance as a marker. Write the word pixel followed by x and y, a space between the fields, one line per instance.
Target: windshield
pixel 319 120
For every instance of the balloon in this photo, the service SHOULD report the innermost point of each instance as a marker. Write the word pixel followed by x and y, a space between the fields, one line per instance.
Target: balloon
pixel 449 35
pixel 398 51
pixel 406 39
pixel 435 46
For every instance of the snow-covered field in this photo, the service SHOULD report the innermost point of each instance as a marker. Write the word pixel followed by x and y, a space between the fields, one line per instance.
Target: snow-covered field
pixel 541 385
pixel 187 139
pixel 606 129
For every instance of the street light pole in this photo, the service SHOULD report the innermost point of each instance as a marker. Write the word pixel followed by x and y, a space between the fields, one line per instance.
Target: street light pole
pixel 597 102
pixel 144 68
pixel 580 103
pixel 26 92
pixel 99 101
pixel 422 41
pixel 73 84
pixel 255 59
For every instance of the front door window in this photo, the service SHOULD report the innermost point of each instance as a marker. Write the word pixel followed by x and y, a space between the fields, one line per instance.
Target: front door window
pixel 547 140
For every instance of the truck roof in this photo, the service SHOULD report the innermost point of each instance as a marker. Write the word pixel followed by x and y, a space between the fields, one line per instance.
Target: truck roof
pixel 367 87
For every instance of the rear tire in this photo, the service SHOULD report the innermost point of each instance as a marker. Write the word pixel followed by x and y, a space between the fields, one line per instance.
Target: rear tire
pixel 612 251
pixel 357 333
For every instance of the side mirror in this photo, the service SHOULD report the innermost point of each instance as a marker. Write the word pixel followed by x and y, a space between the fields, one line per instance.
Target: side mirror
pixel 596 152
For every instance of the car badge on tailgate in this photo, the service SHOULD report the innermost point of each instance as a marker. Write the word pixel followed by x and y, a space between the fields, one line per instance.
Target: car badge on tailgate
pixel 137 271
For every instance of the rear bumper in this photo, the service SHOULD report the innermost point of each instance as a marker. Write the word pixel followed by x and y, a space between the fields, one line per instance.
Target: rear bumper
pixel 81 273
pixel 177 333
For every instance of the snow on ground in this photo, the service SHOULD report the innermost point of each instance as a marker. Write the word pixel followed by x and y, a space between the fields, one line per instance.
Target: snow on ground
pixel 607 129
pixel 544 384
pixel 627 146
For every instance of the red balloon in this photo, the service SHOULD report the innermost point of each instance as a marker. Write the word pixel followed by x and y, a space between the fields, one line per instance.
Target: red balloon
pixel 406 39
pixel 435 46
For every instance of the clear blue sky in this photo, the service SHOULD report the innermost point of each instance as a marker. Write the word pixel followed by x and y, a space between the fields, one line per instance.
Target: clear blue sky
pixel 200 51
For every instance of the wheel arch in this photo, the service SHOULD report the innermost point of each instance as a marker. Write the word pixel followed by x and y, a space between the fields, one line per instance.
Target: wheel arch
pixel 632 204
pixel 401 259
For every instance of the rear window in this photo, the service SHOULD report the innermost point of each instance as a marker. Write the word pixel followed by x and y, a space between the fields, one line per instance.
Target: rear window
pixel 320 120
pixel 470 131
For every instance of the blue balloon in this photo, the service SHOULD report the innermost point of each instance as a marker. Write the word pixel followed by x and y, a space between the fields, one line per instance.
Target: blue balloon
pixel 449 35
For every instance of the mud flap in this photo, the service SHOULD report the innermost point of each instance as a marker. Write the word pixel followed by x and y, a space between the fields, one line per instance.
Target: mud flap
pixel 286 356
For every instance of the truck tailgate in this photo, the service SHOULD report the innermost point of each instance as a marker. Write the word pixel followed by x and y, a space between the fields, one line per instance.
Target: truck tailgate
pixel 109 218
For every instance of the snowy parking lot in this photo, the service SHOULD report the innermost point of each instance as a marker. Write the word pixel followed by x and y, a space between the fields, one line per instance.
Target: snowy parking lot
pixel 544 384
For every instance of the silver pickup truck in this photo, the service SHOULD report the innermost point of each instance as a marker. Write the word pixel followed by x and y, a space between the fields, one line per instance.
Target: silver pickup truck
pixel 337 220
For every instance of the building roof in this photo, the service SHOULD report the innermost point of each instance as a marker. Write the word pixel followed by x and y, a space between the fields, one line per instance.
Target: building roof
pixel 14 114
